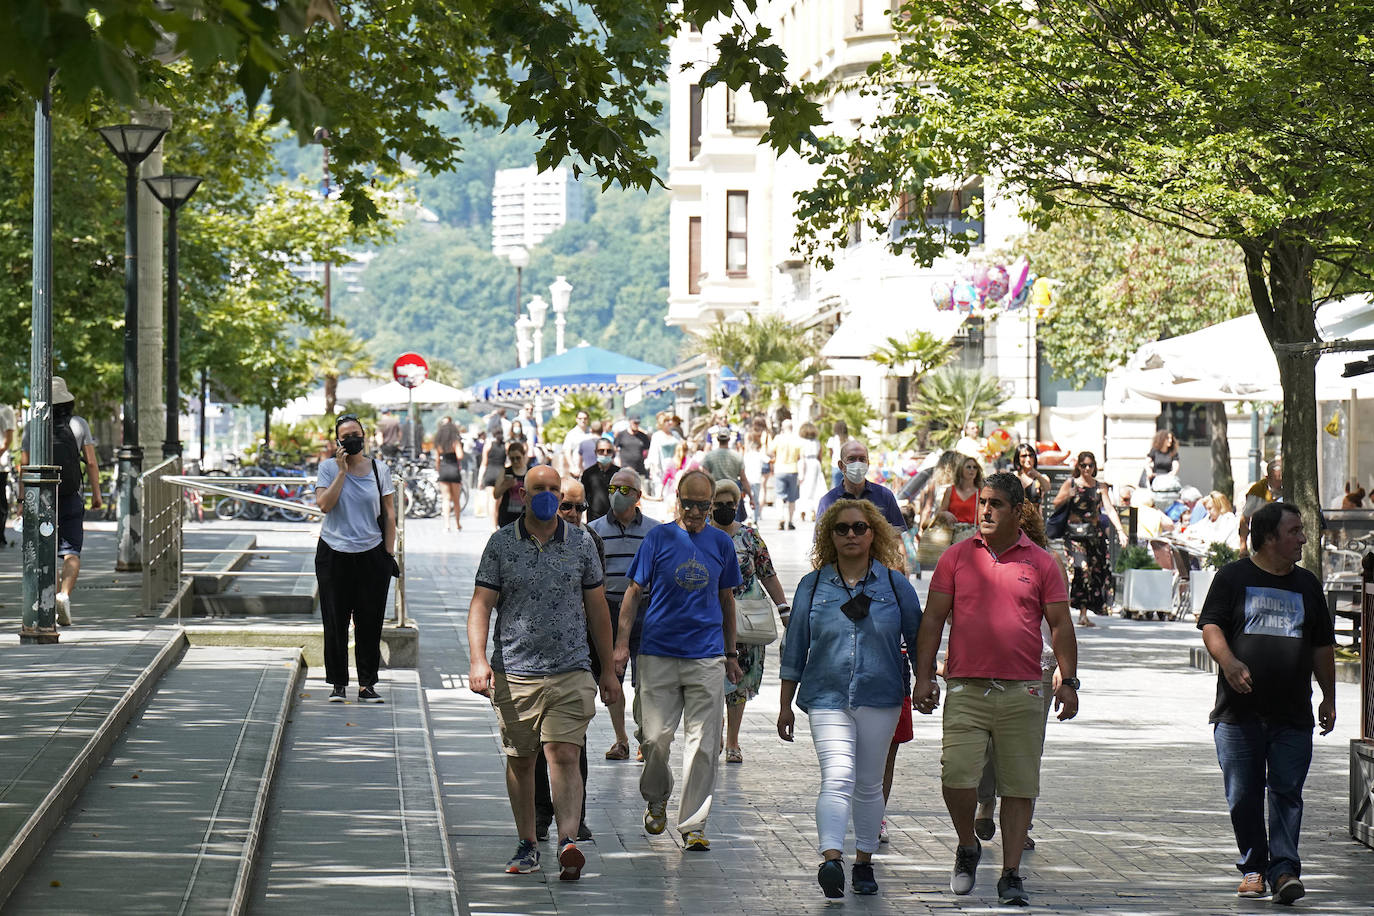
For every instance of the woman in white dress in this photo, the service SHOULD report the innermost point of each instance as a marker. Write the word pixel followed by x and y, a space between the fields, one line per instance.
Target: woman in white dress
pixel 809 472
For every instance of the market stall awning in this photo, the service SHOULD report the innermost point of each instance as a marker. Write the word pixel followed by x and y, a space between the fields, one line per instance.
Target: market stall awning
pixel 668 379
pixel 584 368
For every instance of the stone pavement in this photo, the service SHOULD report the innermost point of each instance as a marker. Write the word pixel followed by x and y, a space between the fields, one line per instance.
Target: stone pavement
pixel 1132 819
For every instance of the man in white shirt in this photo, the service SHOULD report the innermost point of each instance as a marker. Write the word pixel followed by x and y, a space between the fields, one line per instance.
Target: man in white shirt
pixel 572 442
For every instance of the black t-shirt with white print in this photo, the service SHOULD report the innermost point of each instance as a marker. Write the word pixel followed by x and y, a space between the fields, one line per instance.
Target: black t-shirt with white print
pixel 1272 624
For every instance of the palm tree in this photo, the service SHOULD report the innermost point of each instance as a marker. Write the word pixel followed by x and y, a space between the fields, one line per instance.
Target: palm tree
pixel 914 357
pixel 746 347
pixel 777 382
pixel 334 351
pixel 849 405
pixel 951 397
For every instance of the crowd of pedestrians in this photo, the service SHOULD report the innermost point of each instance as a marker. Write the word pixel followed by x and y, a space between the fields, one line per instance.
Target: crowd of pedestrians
pixel 579 587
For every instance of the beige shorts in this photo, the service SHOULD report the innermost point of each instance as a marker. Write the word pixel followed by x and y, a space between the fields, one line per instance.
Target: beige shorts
pixel 1012 715
pixel 538 710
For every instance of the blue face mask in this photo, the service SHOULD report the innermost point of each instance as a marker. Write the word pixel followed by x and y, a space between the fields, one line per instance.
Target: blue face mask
pixel 544 505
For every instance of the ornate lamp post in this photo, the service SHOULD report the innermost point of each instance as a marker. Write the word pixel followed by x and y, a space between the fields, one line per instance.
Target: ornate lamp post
pixel 519 259
pixel 538 309
pixel 522 340
pixel 559 291
pixel 172 191
pixel 131 143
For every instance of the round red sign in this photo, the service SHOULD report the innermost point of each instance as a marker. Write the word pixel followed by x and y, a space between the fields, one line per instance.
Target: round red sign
pixel 410 369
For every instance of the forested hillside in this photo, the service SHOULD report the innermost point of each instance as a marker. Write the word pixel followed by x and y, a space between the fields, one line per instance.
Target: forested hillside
pixel 438 290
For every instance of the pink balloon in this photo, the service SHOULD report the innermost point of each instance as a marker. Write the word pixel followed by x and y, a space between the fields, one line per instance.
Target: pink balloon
pixel 1020 270
pixel 981 278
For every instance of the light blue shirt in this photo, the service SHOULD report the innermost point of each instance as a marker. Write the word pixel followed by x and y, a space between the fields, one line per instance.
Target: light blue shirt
pixel 843 664
pixel 351 526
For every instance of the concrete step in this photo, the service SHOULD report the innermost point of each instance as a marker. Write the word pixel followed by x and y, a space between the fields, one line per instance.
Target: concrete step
pixel 209 572
pixel 356 823
pixel 289 589
pixel 171 820
pixel 64 707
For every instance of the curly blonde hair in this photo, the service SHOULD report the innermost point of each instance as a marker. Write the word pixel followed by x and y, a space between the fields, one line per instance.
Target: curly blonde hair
pixel 886 548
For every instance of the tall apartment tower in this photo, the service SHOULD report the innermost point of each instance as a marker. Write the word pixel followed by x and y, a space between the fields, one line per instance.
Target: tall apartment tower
pixel 528 205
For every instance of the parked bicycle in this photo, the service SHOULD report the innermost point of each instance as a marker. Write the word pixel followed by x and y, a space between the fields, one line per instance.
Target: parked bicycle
pixel 230 507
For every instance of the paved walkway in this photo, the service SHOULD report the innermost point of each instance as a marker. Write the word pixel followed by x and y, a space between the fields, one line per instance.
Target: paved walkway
pixel 1132 819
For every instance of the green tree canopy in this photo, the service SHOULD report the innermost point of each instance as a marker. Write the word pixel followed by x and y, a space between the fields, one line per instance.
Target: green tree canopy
pixel 1235 120
pixel 371 71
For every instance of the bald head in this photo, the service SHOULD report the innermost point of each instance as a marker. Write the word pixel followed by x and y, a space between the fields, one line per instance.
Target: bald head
pixel 853 450
pixel 574 499
pixel 542 477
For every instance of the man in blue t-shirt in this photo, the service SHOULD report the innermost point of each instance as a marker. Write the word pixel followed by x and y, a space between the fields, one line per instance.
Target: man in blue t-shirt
pixel 688 569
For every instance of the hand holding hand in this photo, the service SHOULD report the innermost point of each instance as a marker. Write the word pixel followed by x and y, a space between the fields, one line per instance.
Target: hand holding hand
pixel 925 697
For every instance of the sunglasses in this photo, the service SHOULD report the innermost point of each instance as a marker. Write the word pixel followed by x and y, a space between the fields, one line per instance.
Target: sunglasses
pixel 346 418
pixel 859 528
pixel 725 505
pixel 572 507
pixel 604 451
pixel 623 489
pixel 694 505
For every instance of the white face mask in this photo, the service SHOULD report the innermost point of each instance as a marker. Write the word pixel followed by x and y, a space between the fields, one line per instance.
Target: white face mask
pixel 856 471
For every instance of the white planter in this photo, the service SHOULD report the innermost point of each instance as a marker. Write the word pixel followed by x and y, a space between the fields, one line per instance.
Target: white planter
pixel 1199 583
pixel 1148 590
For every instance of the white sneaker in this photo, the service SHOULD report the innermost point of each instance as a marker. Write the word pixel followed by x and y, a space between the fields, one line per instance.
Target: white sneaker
pixel 882 832
pixel 64 609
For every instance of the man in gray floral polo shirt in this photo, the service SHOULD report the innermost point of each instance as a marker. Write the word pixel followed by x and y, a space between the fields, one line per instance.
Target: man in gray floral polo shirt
pixel 543 579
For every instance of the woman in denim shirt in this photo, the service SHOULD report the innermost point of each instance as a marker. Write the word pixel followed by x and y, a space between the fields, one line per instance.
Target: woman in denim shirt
pixel 844 651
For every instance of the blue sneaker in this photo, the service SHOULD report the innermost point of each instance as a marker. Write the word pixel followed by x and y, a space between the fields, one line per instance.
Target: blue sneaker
pixel 525 860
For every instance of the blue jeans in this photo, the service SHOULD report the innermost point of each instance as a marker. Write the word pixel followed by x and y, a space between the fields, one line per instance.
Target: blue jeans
pixel 1254 757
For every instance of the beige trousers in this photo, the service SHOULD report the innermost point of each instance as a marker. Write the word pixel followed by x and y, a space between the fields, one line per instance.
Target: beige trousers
pixel 671 690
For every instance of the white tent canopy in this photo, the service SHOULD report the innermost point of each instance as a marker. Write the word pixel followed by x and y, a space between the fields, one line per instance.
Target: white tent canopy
pixel 427 392
pixel 1232 361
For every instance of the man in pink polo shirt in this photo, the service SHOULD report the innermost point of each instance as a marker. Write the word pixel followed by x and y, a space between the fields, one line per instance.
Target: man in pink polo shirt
pixel 994 588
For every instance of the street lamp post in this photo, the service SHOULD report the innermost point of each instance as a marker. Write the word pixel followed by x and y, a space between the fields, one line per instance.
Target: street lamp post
pixel 538 309
pixel 172 191
pixel 522 340
pixel 559 291
pixel 40 479
pixel 519 259
pixel 131 143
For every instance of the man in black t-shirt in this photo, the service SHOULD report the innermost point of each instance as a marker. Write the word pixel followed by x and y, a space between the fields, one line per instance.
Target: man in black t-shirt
pixel 633 444
pixel 1266 624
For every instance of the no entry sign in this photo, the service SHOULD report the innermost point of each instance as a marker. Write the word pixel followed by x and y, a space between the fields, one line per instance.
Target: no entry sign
pixel 410 369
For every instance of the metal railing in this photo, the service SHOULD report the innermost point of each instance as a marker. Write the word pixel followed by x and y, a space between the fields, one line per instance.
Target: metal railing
pixel 162 513
pixel 228 486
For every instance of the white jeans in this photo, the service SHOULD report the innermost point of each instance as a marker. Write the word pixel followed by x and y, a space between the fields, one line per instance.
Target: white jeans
pixel 851 745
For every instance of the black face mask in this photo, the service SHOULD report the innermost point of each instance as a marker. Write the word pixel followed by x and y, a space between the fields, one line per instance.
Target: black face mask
pixel 723 515
pixel 856 608
pixel 352 444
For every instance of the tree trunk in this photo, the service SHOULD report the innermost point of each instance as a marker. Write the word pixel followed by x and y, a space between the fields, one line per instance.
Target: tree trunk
pixel 1293 321
pixel 1218 425
pixel 331 391
pixel 266 427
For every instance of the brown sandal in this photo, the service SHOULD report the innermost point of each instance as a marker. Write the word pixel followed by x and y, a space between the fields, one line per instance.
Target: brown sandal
pixel 619 751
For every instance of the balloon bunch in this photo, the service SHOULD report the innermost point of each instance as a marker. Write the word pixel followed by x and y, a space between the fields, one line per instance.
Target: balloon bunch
pixel 983 289
pixel 996 444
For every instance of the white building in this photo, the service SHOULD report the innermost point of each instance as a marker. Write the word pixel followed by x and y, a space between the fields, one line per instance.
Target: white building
pixel 528 205
pixel 733 232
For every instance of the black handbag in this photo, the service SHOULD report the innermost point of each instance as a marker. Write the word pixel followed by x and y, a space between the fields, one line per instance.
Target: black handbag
pixel 1081 531
pixel 1056 526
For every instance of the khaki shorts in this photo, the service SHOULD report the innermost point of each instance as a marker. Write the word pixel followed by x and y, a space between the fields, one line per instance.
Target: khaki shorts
pixel 1012 715
pixel 538 710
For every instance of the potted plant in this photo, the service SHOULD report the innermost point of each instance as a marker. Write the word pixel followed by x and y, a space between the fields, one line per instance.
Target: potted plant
pixel 1146 588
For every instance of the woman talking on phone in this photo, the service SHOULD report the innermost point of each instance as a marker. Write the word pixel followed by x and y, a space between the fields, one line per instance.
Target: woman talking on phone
pixel 355 559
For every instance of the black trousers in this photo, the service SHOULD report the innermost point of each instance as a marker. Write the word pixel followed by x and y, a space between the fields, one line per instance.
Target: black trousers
pixel 543 796
pixel 352 586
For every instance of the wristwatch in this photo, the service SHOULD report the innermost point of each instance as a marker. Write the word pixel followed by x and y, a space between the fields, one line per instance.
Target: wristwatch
pixel 1070 682
pixel 732 655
